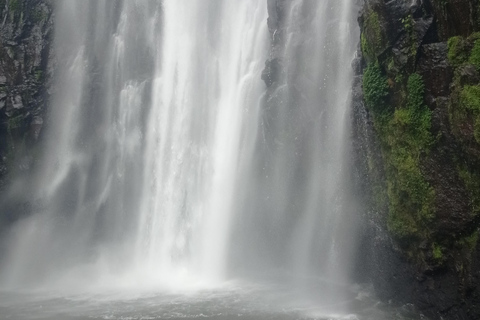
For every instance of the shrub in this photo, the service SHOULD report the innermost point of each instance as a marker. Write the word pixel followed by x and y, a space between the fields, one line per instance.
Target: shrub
pixel 475 55
pixel 375 88
pixel 457 50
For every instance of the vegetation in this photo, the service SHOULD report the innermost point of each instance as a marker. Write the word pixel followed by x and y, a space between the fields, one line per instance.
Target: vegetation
pixel 38 75
pixel 431 169
pixel 375 88
pixel 469 242
pixel 371 37
pixel 457 50
pixel 408 137
pixel 437 252
pixel 15 5
pixel 405 135
pixel 471 179
pixel 475 55
pixel 470 101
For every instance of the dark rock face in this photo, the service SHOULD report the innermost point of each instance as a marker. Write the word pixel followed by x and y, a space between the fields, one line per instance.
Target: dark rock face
pixel 26 67
pixel 426 252
pixel 455 17
pixel 435 70
pixel 25 72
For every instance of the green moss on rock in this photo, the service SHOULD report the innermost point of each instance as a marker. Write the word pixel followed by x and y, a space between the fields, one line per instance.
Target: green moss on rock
pixel 470 101
pixel 437 252
pixel 457 50
pixel 470 242
pixel 372 39
pixel 15 5
pixel 405 135
pixel 375 88
pixel 475 55
pixel 471 179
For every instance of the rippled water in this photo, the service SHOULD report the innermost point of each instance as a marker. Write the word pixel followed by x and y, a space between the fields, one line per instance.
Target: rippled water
pixel 232 301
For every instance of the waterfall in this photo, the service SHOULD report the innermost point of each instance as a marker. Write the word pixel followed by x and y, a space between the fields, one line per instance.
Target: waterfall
pixel 168 161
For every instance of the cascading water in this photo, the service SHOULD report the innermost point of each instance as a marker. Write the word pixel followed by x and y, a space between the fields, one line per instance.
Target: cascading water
pixel 169 164
pixel 153 102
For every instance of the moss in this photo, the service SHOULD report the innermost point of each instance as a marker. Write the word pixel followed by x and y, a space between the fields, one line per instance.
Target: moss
pixel 470 104
pixel 471 180
pixel 405 136
pixel 469 242
pixel 475 55
pixel 38 75
pixel 408 24
pixel 375 88
pixel 371 38
pixel 457 50
pixel 14 122
pixel 380 197
pixel 474 36
pixel 365 48
pixel 391 65
pixel 437 252
pixel 470 97
pixel 15 5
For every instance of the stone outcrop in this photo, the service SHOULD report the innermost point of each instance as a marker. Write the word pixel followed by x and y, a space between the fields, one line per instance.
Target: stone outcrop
pixel 26 28
pixel 419 153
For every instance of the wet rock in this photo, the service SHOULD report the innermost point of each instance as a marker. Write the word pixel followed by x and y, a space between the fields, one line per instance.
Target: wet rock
pixel 455 17
pixel 26 69
pixel 435 70
pixel 17 102
pixel 437 267
pixel 467 75
pixel 272 72
pixel 3 97
pixel 35 127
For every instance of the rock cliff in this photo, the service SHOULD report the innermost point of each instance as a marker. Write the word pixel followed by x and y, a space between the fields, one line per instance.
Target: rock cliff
pixel 419 152
pixel 26 28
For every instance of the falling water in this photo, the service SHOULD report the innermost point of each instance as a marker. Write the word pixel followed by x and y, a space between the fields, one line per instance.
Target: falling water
pixel 170 165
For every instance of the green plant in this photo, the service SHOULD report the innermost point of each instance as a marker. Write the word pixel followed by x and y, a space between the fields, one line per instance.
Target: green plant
pixel 375 88
pixel 471 240
pixel 15 5
pixel 470 103
pixel 14 123
pixel 38 75
pixel 371 37
pixel 406 136
pixel 365 48
pixel 471 180
pixel 437 252
pixel 457 50
pixel 475 55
